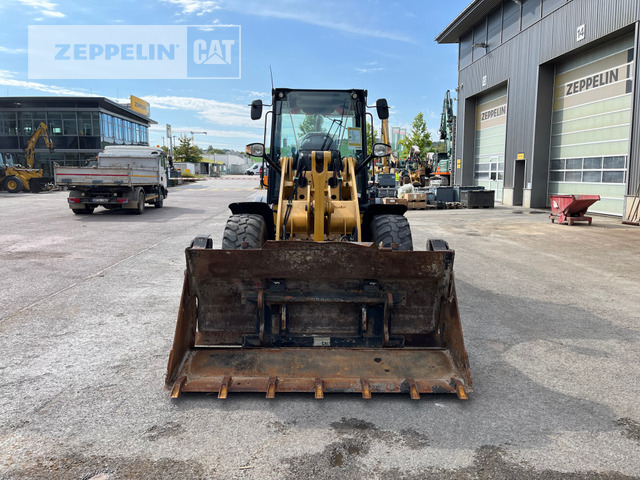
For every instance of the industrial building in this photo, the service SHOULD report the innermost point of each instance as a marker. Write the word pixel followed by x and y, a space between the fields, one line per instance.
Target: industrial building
pixel 548 100
pixel 80 127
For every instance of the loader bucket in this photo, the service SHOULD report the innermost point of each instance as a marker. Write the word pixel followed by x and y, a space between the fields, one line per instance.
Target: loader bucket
pixel 318 317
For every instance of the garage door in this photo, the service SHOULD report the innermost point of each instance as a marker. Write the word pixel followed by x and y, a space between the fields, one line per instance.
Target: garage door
pixel 591 125
pixel 491 128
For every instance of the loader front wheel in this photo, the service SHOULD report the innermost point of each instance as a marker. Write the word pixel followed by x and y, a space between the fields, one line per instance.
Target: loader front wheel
pixel 244 227
pixel 390 229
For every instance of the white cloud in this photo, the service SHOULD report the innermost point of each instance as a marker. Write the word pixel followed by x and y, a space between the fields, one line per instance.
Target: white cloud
pixel 44 7
pixel 211 134
pixel 323 14
pixel 53 13
pixel 7 79
pixel 197 7
pixel 12 50
pixel 218 113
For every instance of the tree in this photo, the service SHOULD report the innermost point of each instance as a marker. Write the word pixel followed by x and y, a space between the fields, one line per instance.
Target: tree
pixel 312 123
pixel 186 152
pixel 370 140
pixel 419 135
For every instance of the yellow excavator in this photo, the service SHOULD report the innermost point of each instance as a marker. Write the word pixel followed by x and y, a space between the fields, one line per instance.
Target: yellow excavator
pixel 16 178
pixel 318 288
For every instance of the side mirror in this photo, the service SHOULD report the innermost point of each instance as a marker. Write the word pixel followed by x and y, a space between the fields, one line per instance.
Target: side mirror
pixel 255 149
pixel 383 108
pixel 381 150
pixel 256 109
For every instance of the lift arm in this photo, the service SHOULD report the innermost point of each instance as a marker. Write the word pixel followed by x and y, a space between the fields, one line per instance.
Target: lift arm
pixel 40 131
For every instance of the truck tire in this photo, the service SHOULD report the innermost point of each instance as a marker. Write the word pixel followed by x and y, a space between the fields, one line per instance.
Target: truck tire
pixel 159 203
pixel 13 184
pixel 388 229
pixel 86 210
pixel 244 227
pixel 141 199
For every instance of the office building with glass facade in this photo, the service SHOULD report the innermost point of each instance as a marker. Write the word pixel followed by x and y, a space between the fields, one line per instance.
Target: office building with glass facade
pixel 80 127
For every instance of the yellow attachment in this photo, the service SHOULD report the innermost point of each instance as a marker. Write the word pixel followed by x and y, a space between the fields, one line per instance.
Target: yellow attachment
pixel 318 211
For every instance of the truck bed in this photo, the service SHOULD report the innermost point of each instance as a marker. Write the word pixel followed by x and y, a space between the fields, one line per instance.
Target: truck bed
pixel 101 176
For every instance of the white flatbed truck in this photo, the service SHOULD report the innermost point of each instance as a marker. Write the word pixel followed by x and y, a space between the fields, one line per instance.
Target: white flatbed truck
pixel 123 177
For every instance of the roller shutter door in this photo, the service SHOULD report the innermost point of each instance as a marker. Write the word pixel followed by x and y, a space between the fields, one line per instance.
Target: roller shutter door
pixel 491 128
pixel 591 125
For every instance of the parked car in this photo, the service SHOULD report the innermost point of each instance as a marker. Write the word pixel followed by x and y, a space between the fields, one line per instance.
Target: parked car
pixel 254 169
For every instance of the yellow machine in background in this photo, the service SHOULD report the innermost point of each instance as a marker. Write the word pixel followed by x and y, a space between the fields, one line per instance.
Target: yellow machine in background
pixel 15 178
pixel 318 288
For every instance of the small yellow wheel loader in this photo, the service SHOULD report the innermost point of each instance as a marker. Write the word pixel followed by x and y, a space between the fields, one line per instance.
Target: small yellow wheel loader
pixel 317 288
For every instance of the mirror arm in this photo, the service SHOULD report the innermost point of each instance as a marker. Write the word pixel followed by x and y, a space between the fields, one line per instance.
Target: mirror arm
pixel 364 164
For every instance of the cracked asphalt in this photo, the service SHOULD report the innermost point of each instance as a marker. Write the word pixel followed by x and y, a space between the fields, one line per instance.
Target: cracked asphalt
pixel 88 310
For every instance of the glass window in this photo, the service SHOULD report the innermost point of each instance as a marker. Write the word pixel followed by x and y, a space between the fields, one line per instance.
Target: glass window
pixel 95 121
pixel 55 123
pixel 556 176
pixel 482 167
pixel 609 176
pixel 479 37
pixel 614 162
pixel 511 19
pixel 557 164
pixel 549 6
pixel 573 176
pixel 69 124
pixel 594 163
pixel 85 123
pixel 10 123
pixel 531 10
pixel 591 177
pixel 574 164
pixel 466 43
pixel 494 28
pixel 481 175
pixel 26 123
pixel 103 124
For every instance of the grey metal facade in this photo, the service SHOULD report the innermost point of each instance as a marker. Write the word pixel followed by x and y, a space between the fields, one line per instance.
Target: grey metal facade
pixel 526 64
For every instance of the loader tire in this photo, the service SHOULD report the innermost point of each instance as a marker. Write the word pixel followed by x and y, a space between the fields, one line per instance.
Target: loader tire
pixel 244 227
pixel 13 184
pixel 389 229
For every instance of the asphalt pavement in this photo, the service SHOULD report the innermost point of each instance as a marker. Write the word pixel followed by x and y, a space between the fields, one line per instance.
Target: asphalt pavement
pixel 88 311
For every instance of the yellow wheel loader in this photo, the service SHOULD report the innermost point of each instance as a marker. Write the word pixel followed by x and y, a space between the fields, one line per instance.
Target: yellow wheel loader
pixel 317 288
pixel 16 178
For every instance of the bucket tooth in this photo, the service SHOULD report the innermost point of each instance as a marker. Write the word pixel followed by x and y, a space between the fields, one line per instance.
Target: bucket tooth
pixel 177 387
pixel 461 392
pixel 366 388
pixel 319 388
pixel 224 387
pixel 271 388
pixel 413 389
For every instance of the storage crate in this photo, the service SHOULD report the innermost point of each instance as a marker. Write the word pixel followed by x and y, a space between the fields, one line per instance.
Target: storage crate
pixel 395 201
pixel 477 198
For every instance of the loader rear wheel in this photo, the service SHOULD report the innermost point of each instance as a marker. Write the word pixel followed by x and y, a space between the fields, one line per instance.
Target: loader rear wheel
pixel 13 184
pixel 389 229
pixel 244 227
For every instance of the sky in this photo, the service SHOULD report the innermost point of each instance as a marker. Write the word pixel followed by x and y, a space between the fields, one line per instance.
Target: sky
pixel 385 47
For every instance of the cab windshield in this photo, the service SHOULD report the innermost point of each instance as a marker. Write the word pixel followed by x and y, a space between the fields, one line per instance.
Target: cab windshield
pixel 307 121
